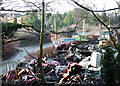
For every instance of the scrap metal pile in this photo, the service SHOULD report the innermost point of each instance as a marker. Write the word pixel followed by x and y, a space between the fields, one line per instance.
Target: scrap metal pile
pixel 72 63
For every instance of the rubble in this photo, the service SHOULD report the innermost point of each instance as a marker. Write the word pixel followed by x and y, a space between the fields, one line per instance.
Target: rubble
pixel 71 64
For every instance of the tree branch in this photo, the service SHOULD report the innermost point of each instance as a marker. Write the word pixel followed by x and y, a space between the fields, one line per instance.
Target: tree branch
pixel 106 10
pixel 100 22
pixel 92 10
pixel 29 54
pixel 15 40
pixel 35 5
pixel 30 32
pixel 82 6
pixel 31 27
pixel 19 11
pixel 115 28
pixel 66 31
pixel 110 34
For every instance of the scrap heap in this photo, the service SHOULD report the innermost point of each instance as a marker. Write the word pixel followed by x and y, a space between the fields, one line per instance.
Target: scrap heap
pixel 75 63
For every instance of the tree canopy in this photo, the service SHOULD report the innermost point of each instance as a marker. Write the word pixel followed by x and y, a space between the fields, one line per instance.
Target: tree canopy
pixel 32 19
pixel 9 29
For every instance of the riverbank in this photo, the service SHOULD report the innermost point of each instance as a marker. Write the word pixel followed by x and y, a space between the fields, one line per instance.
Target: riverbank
pixel 46 51
pixel 10 63
pixel 10 52
pixel 20 56
pixel 10 48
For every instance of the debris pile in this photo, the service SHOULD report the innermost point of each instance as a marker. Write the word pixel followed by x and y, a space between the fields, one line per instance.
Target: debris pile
pixel 75 63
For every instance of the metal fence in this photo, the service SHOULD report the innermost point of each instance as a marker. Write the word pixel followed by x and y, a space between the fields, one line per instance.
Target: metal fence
pixel 9 65
pixel 6 66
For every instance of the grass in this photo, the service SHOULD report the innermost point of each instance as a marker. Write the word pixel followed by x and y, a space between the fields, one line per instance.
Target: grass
pixel 8 51
pixel 46 51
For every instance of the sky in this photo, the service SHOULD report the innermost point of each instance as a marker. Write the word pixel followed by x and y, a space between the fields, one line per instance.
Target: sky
pixel 106 4
pixel 62 6
pixel 99 4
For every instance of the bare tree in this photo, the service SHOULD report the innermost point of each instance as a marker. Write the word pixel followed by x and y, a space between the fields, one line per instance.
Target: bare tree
pixel 38 7
pixel 109 29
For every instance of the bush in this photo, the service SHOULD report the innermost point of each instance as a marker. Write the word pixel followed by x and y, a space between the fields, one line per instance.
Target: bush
pixel 8 51
pixel 48 50
pixel 108 67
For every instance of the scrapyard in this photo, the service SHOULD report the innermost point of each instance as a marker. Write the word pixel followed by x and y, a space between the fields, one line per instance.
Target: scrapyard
pixel 73 63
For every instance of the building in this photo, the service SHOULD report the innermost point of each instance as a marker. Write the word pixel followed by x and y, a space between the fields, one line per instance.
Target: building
pixel 12 17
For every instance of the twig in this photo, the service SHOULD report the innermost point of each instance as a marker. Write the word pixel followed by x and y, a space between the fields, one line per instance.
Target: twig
pixel 92 10
pixel 29 54
pixel 106 10
pixel 115 27
pixel 15 40
pixel 66 31
pixel 31 27
pixel 100 22
pixel 19 11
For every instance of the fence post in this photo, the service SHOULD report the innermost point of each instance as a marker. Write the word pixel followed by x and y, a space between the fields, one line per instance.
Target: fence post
pixel 16 72
pixel 6 67
pixel 9 66
pixel 12 65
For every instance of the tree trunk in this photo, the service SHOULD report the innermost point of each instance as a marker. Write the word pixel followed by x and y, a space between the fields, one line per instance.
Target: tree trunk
pixel 41 46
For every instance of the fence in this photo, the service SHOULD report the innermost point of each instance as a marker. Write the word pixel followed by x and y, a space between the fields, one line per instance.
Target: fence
pixel 6 66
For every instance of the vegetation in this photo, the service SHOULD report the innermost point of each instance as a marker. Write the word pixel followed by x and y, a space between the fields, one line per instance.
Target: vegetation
pixel 9 29
pixel 62 20
pixel 108 67
pixel 32 19
pixel 8 32
pixel 69 18
pixel 46 51
pixel 111 56
pixel 111 65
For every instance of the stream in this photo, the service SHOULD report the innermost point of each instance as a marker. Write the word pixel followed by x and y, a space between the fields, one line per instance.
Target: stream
pixel 10 64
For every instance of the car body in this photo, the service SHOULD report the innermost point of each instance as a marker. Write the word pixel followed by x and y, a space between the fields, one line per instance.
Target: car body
pixel 47 62
pixel 51 62
pixel 60 69
pixel 85 62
